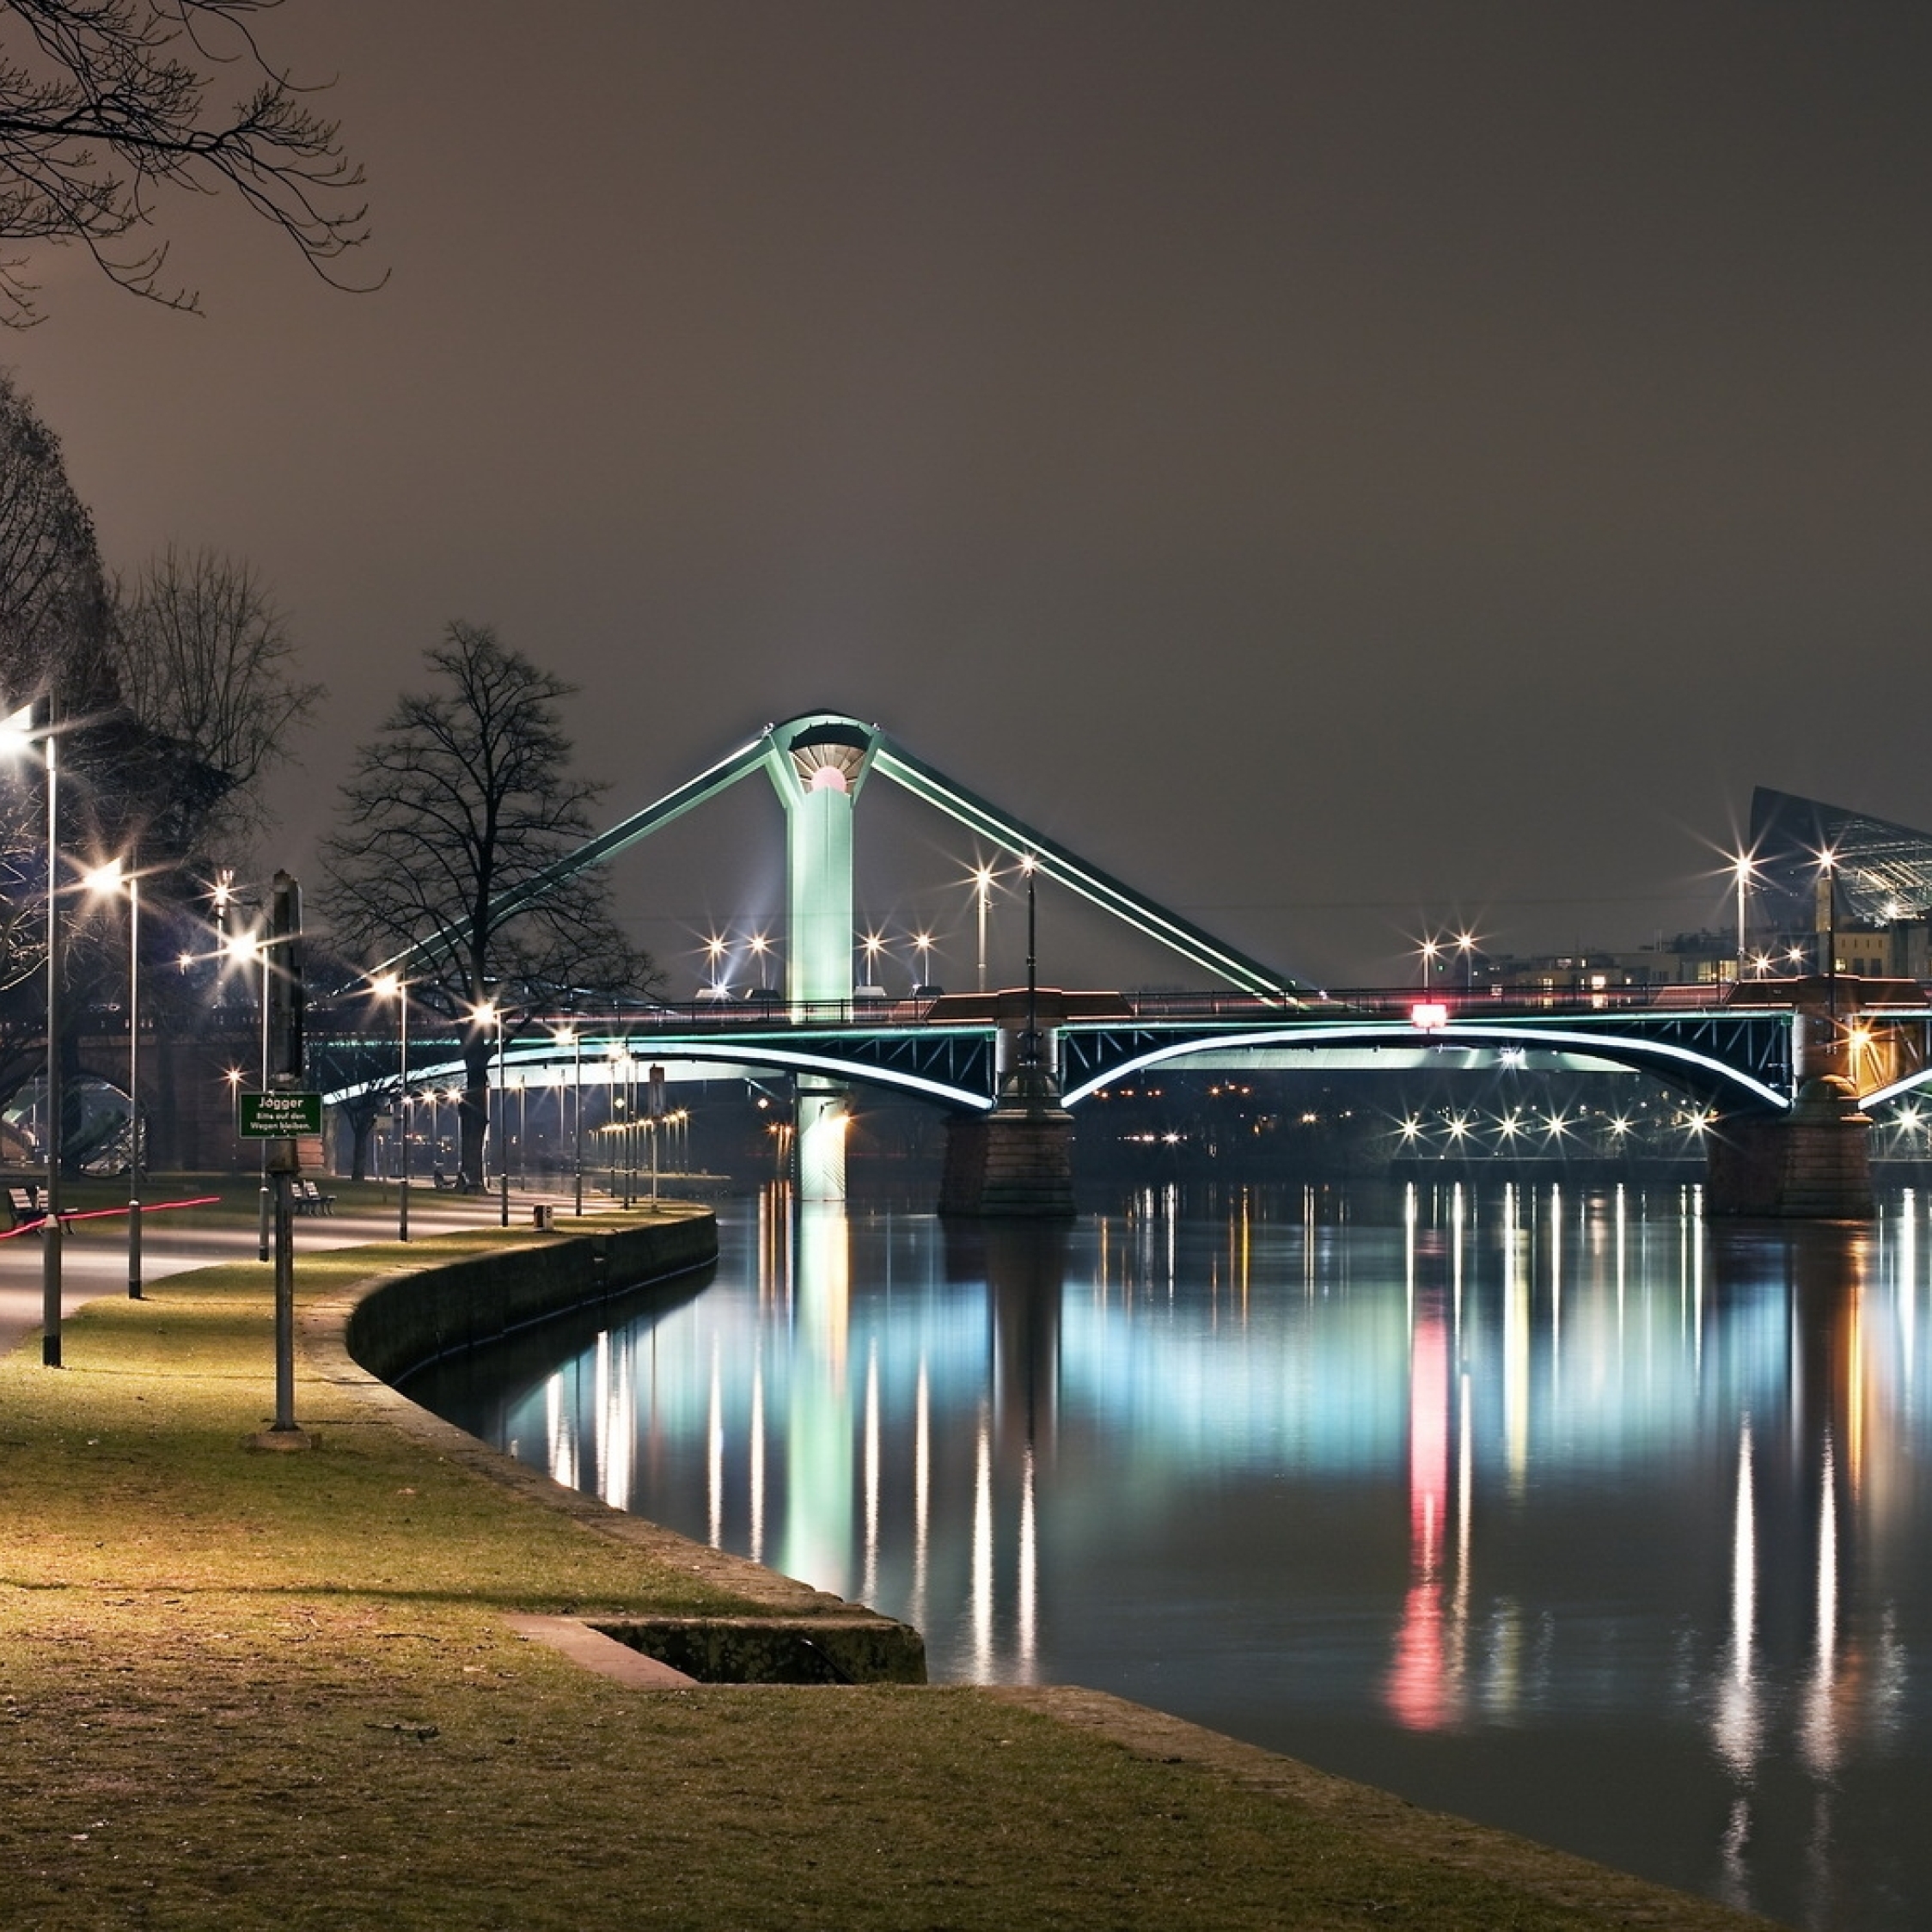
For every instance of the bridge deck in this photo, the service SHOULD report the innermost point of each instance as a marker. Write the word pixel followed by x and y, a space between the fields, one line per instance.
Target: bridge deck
pixel 1739 1053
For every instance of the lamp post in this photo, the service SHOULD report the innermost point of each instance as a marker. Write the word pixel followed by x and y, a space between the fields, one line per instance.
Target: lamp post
pixel 570 1036
pixel 1429 951
pixel 106 879
pixel 1743 867
pixel 1827 865
pixel 982 881
pixel 922 944
pixel 390 986
pixel 1465 945
pixel 499 1136
pixel 244 948
pixel 18 731
pixel 1029 1044
pixel 615 1054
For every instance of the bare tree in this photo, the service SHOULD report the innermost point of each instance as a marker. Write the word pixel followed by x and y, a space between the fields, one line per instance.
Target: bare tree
pixel 54 607
pixel 465 798
pixel 206 661
pixel 103 103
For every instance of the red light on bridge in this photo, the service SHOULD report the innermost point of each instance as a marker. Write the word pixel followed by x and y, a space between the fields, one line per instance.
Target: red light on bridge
pixel 1426 1015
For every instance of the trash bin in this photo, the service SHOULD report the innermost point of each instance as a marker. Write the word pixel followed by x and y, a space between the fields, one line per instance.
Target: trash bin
pixel 541 1214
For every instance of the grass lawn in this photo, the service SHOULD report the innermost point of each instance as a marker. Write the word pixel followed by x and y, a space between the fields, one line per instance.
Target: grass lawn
pixel 242 1690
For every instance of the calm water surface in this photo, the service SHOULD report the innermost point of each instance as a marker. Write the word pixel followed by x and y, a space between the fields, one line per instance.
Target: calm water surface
pixel 1563 1510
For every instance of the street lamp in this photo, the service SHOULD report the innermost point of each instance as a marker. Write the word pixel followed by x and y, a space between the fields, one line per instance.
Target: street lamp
pixel 620 1058
pixel 570 1037
pixel 498 1114
pixel 1744 868
pixel 391 986
pixel 922 944
pixel 982 882
pixel 1827 868
pixel 1029 1045
pixel 1465 945
pixel 1429 951
pixel 103 880
pixel 243 949
pixel 17 733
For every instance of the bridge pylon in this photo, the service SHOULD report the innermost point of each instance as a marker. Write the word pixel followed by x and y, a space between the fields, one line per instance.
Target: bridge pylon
pixel 816 764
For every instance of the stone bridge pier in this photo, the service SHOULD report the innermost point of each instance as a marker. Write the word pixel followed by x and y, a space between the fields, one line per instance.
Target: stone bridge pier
pixel 1814 1163
pixel 1018 1160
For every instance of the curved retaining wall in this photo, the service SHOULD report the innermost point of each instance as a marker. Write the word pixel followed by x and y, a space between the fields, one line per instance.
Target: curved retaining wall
pixel 410 1320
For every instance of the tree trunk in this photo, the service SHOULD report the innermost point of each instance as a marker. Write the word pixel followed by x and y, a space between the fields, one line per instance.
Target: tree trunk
pixel 474 1114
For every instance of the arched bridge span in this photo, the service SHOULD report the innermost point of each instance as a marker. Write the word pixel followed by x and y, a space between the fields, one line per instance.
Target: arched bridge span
pixel 1740 1061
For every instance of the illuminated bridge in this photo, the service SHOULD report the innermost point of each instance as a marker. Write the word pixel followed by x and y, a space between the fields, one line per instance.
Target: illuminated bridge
pixel 1757 1062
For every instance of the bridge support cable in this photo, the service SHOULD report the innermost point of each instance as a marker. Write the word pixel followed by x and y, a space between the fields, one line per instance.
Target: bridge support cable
pixel 1021 841
pixel 983 819
pixel 606 845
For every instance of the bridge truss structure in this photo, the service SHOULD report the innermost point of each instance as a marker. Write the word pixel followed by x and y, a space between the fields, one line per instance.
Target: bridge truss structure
pixel 1736 1059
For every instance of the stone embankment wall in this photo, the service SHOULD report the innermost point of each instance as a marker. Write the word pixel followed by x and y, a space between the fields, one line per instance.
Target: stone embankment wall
pixel 415 1318
pixel 376 1333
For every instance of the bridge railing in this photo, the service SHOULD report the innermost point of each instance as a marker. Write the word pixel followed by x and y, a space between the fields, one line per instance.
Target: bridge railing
pixel 1171 1006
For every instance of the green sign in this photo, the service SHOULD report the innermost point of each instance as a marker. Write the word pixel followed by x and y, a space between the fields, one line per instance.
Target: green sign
pixel 280 1117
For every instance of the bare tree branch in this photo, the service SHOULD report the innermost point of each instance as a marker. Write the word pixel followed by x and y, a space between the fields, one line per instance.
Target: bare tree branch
pixel 106 103
pixel 205 660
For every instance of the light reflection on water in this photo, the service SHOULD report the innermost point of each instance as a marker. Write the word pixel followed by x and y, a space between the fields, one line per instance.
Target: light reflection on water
pixel 1557 1509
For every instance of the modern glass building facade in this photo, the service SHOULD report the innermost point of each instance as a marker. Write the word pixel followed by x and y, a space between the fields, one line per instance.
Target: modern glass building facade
pixel 1882 871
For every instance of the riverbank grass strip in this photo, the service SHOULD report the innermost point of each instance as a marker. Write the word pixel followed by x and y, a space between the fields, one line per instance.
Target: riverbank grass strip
pixel 240 1689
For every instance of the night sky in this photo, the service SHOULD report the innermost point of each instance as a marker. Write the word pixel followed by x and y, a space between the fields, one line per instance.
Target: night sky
pixel 1348 469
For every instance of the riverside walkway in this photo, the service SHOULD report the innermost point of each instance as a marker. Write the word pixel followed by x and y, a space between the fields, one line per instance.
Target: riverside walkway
pixel 240 1689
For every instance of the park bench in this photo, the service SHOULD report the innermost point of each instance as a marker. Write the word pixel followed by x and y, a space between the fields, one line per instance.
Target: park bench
pixel 445 1183
pixel 23 1203
pixel 310 1200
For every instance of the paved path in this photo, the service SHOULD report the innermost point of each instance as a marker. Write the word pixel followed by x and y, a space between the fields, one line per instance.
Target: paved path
pixel 93 1254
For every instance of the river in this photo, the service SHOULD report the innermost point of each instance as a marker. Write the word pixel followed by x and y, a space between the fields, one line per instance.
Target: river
pixel 1558 1509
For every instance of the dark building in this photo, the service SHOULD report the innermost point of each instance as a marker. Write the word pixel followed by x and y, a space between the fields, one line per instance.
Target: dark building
pixel 1883 871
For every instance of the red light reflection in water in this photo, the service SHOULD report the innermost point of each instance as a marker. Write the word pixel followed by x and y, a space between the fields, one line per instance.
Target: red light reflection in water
pixel 1420 1688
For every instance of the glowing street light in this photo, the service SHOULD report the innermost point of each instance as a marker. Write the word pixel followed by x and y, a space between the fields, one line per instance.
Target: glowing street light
pixel 922 945
pixel 1428 952
pixel 104 880
pixel 982 877
pixel 1828 879
pixel 242 949
pixel 391 986
pixel 490 1012
pixel 1029 1043
pixel 1465 945
pixel 622 1069
pixel 18 731
pixel 1744 868
pixel 572 1037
